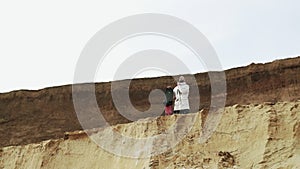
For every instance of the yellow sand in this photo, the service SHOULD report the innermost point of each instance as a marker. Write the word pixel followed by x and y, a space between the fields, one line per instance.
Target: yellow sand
pixel 262 136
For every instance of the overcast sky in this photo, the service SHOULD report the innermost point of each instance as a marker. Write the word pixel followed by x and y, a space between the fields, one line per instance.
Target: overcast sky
pixel 40 41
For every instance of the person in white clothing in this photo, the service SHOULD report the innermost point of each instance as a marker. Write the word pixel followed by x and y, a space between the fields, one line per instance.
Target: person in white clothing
pixel 181 93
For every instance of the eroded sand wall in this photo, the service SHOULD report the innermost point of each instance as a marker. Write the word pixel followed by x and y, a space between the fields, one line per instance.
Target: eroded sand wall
pixel 248 136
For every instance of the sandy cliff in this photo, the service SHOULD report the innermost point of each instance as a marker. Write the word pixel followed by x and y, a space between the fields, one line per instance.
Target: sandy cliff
pixel 33 116
pixel 264 136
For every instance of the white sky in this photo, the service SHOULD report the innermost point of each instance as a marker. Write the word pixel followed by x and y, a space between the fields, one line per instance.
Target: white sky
pixel 40 41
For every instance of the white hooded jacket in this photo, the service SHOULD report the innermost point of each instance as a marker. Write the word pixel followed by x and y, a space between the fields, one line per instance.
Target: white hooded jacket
pixel 181 92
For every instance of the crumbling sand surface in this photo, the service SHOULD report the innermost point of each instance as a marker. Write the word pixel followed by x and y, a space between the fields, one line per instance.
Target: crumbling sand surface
pixel 263 136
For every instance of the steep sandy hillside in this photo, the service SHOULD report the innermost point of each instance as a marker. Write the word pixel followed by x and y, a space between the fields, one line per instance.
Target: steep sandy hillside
pixel 33 116
pixel 263 136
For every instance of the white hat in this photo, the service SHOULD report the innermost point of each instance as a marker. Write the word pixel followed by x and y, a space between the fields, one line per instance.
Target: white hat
pixel 181 79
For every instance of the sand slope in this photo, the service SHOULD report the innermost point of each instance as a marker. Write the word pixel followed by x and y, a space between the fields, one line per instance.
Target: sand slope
pixel 248 136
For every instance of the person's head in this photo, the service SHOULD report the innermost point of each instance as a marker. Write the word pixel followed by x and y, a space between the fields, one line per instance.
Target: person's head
pixel 181 79
pixel 169 87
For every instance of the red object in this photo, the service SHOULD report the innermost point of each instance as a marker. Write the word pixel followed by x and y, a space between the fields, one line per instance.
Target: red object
pixel 168 110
